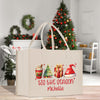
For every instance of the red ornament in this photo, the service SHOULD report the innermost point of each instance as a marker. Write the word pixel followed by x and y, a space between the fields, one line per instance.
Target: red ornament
pixel 60 41
pixel 23 35
pixel 36 38
pixel 61 17
pixel 72 40
pixel 72 34
pixel 59 14
pixel 64 31
pixel 49 30
pixel 68 30
pixel 72 29
pixel 17 38
pixel 64 44
pixel 50 47
pixel 75 40
pixel 53 23
pixel 55 38
pixel 65 22
pixel 69 19
pixel 64 14
pixel 56 20
pixel 54 29
pixel 72 46
pixel 66 40
pixel 33 34
pixel 55 17
pixel 61 23
pixel 61 9
pixel 48 39
pixel 50 36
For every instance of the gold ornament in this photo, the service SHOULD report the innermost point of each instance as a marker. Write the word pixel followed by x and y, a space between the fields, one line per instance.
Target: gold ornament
pixel 65 38
pixel 53 35
pixel 69 34
pixel 67 20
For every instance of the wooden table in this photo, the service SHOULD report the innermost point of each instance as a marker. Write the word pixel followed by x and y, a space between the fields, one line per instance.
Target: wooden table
pixel 89 93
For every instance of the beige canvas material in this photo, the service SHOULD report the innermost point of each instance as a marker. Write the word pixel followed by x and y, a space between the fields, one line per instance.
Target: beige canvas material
pixel 29 59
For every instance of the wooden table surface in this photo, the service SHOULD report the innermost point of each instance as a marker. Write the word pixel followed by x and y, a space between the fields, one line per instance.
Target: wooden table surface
pixel 89 93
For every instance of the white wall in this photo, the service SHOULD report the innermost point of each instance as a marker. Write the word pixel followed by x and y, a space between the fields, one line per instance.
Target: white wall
pixel 12 12
pixel 89 22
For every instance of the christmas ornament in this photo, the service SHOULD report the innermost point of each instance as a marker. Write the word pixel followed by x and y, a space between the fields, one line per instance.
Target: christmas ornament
pixel 58 71
pixel 72 29
pixel 66 38
pixel 60 41
pixel 72 40
pixel 70 72
pixel 49 30
pixel 59 14
pixel 61 9
pixel 39 71
pixel 61 23
pixel 53 23
pixel 64 44
pixel 50 47
pixel 69 34
pixel 55 38
pixel 68 30
pixel 72 34
pixel 72 46
pixel 48 39
pixel 64 22
pixel 50 36
pixel 53 35
pixel 56 47
pixel 56 20
pixel 61 17
pixel 64 31
pixel 75 40
pixel 24 24
pixel 67 20
pixel 54 29
pixel 64 14
pixel 47 72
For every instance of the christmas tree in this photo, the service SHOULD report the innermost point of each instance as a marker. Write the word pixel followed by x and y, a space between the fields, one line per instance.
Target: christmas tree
pixel 63 22
pixel 47 73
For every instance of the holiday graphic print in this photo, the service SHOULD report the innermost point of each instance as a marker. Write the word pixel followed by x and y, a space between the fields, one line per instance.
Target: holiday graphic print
pixel 69 71
pixel 47 72
pixel 39 71
pixel 58 71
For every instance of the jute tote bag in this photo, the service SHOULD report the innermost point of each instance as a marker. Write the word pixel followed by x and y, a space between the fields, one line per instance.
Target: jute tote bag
pixel 42 73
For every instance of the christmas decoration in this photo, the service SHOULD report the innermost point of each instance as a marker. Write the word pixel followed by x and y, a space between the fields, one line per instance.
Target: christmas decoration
pixel 70 72
pixel 63 22
pixel 58 71
pixel 31 24
pixel 39 71
pixel 15 27
pixel 47 72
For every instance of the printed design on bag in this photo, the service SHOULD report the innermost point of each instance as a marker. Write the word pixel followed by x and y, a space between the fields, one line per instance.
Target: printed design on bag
pixel 39 71
pixel 62 75
pixel 58 71
pixel 70 72
pixel 47 72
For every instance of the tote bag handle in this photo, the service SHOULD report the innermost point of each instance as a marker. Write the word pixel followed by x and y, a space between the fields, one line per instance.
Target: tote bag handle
pixel 42 27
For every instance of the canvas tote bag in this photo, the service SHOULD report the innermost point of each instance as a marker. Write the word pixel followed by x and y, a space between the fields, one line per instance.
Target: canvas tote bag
pixel 42 73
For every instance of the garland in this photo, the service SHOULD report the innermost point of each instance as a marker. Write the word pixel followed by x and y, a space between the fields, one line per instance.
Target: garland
pixel 15 27
pixel 31 25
